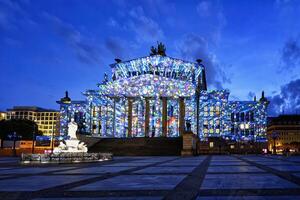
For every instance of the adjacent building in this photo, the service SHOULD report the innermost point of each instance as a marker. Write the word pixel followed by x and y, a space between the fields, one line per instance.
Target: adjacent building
pixel 2 115
pixel 157 96
pixel 284 133
pixel 46 119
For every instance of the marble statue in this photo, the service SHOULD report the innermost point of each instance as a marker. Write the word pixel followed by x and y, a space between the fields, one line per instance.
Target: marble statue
pixel 72 128
pixel 72 144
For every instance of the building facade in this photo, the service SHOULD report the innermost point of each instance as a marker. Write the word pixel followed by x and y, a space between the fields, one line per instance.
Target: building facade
pixel 2 115
pixel 284 132
pixel 156 96
pixel 46 119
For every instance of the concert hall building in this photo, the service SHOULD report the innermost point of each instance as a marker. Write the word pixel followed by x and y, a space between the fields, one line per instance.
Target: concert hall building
pixel 156 96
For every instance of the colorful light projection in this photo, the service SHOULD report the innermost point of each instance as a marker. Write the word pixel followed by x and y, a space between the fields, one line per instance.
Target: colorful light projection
pixel 234 120
pixel 148 85
pixel 105 111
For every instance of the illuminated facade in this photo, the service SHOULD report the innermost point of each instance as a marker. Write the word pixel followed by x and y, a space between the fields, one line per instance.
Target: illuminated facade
pixel 2 115
pixel 155 96
pixel 46 119
pixel 284 132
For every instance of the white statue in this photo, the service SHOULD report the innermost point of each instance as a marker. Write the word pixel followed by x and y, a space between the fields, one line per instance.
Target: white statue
pixel 72 128
pixel 72 144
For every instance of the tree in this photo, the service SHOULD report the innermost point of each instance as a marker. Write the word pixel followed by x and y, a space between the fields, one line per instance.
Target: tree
pixel 22 127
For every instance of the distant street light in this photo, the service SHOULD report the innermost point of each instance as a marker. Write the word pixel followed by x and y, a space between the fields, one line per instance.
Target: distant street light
pixel 14 136
pixel 52 139
pixel 33 136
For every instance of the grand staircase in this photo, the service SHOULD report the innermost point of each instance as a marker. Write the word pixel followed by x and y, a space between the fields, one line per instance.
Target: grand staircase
pixel 158 146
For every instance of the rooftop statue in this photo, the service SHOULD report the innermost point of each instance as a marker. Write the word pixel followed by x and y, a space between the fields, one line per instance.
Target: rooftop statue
pixel 160 50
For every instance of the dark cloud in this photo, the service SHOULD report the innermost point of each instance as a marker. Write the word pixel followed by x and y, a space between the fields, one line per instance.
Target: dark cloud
pixel 85 49
pixel 194 47
pixel 290 55
pixel 288 101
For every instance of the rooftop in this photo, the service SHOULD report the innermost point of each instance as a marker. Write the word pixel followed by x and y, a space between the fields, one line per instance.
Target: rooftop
pixel 31 108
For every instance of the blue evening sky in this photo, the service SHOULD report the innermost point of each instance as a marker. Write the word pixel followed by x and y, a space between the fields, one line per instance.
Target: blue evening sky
pixel 47 47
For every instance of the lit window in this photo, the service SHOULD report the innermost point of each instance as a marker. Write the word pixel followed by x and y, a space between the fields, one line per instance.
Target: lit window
pixel 211 144
pixel 242 126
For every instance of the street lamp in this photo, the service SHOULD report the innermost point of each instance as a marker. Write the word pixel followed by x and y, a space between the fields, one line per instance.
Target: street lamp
pixel 33 136
pixel 14 136
pixel 52 138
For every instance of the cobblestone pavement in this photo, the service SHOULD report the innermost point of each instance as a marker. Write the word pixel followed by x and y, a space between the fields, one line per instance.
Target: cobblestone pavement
pixel 203 177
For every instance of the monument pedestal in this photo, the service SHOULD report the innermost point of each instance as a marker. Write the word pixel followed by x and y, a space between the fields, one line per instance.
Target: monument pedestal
pixel 189 144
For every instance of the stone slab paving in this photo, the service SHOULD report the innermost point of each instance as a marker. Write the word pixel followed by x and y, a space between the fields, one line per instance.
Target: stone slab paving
pixel 35 183
pixel 234 169
pixel 245 181
pixel 204 177
pixel 165 170
pixel 34 170
pixel 95 170
pixel 134 182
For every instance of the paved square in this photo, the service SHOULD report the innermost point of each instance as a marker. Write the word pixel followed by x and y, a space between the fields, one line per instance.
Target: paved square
pixel 286 167
pixel 245 181
pixel 33 170
pixel 238 163
pixel 221 177
pixel 157 170
pixel 94 170
pixel 234 169
pixel 34 183
pixel 134 182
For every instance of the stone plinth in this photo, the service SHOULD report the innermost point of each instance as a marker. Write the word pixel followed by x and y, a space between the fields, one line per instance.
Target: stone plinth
pixel 65 157
pixel 189 143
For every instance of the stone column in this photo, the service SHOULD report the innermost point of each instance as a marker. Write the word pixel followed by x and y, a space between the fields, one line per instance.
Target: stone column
pixel 114 117
pixel 181 115
pixel 147 117
pixel 164 117
pixel 130 117
pixel 99 122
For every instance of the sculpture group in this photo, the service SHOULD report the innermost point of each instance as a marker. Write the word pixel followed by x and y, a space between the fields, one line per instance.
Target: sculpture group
pixel 72 144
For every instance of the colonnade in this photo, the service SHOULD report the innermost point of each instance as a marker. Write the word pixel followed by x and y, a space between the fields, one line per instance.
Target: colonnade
pixel 164 112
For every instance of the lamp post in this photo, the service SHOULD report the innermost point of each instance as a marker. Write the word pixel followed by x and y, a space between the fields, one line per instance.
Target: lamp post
pixel 52 139
pixel 33 137
pixel 14 148
pixel 14 136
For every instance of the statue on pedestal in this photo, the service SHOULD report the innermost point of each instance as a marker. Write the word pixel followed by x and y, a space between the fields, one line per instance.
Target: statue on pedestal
pixel 72 128
pixel 72 144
